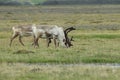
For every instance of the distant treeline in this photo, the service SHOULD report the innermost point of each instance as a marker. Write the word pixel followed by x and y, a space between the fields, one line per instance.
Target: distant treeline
pixel 68 2
pixel 15 2
pixel 57 2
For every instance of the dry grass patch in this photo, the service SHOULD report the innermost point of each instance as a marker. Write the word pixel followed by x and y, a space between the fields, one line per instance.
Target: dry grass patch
pixel 13 71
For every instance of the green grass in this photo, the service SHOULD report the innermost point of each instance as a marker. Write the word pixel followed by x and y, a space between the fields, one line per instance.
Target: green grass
pixel 88 47
pixel 96 40
pixel 92 29
pixel 102 36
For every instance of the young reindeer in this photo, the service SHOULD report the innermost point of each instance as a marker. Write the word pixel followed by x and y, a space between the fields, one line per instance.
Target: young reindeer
pixel 49 32
pixel 20 31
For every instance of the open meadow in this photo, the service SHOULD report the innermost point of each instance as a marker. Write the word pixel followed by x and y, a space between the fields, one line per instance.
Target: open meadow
pixel 96 43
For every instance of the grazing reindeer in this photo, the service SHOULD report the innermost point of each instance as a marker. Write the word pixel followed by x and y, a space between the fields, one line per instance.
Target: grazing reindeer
pixel 21 30
pixel 43 31
pixel 49 32
pixel 68 41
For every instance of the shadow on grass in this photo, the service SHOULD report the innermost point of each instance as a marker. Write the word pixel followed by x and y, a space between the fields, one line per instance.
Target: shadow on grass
pixel 23 52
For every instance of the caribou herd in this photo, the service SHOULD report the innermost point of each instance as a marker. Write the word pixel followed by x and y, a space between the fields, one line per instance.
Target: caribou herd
pixel 58 34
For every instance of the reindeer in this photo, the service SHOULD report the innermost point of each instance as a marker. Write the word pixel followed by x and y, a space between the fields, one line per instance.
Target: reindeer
pixel 68 40
pixel 20 31
pixel 49 32
pixel 43 31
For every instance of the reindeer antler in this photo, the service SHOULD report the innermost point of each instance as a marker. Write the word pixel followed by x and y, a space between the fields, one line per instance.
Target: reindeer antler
pixel 68 41
pixel 69 29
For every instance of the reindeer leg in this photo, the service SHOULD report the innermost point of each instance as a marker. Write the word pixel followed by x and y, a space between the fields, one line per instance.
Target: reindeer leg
pixel 54 42
pixel 36 42
pixel 57 42
pixel 48 41
pixel 13 37
pixel 20 40
pixel 33 40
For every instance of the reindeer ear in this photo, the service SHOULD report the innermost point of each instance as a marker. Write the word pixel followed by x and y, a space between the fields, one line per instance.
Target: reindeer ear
pixel 71 39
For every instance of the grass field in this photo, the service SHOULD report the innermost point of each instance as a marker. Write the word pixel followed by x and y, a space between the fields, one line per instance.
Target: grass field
pixel 96 40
